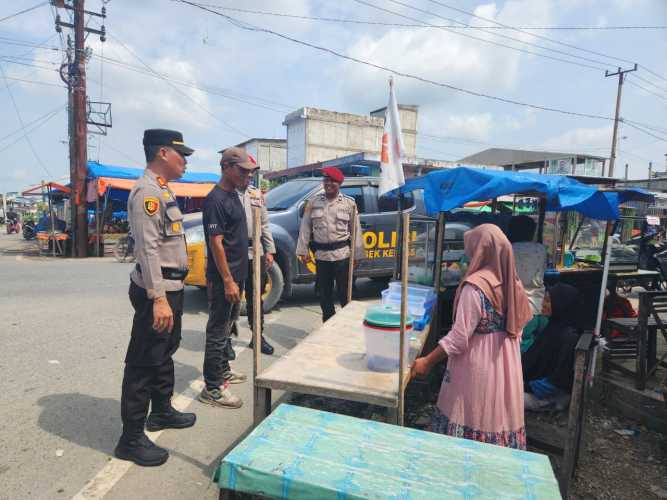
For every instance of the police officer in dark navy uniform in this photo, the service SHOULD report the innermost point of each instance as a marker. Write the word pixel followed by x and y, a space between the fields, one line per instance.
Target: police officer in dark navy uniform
pixel 156 294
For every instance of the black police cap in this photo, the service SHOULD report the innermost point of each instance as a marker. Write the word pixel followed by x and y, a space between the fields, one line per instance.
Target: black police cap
pixel 164 137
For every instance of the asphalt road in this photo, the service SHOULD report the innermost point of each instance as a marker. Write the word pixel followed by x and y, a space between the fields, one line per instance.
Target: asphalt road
pixel 64 328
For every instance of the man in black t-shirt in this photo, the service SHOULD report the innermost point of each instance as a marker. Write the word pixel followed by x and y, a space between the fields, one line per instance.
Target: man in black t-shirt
pixel 226 233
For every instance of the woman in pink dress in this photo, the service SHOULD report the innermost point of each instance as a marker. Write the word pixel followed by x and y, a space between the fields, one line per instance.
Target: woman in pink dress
pixel 481 396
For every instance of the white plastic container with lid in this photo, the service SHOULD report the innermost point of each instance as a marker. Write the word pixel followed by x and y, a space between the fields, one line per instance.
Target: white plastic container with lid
pixel 415 292
pixel 382 331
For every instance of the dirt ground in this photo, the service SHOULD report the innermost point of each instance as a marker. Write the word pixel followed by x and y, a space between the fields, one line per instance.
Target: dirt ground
pixel 618 467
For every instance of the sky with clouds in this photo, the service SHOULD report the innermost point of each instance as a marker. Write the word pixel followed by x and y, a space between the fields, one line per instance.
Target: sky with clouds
pixel 171 65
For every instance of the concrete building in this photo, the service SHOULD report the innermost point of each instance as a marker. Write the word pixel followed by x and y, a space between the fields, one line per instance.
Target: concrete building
pixel 316 135
pixel 357 164
pixel 271 154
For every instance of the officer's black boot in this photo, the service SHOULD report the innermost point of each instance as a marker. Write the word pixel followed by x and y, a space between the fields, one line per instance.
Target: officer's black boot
pixel 266 347
pixel 136 447
pixel 169 419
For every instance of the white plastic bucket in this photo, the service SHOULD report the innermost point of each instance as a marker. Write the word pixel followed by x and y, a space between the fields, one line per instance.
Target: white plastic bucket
pixel 382 346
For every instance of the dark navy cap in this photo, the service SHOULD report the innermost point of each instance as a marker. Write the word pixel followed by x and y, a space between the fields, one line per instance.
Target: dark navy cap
pixel 164 137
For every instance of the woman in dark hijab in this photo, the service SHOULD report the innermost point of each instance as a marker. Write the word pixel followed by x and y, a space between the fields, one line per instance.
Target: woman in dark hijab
pixel 548 365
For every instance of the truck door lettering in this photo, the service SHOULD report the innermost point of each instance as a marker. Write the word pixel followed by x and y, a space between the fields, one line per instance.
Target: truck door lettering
pixel 382 243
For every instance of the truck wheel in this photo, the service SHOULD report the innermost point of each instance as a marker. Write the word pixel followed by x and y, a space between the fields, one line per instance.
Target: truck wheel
pixel 275 284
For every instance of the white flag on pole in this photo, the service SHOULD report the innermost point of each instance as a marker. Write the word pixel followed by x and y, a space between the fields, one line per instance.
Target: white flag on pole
pixel 391 168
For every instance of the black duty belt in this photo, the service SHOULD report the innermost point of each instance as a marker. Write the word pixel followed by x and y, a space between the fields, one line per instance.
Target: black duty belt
pixel 171 273
pixel 314 245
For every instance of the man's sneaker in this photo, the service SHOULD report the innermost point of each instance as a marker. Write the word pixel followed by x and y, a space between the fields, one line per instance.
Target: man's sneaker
pixel 141 451
pixel 266 347
pixel 233 377
pixel 222 398
pixel 171 419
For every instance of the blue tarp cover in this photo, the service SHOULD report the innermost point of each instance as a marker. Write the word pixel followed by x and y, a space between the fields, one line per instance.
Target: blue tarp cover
pixel 445 190
pixel 96 170
pixel 303 454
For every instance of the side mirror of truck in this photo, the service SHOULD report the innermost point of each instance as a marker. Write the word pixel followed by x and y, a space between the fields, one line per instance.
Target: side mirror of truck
pixel 302 209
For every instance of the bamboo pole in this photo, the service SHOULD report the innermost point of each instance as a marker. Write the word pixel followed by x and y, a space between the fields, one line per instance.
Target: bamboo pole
pixel 350 270
pixel 405 252
pixel 53 222
pixel 439 244
pixel 97 226
pixel 257 294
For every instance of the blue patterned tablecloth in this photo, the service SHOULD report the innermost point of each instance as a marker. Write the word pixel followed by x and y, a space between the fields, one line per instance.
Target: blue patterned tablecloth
pixel 299 453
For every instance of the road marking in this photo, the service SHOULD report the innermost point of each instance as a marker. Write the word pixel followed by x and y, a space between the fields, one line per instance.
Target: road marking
pixel 113 471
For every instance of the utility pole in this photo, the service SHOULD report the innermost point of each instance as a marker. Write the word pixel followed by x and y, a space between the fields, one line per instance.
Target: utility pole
pixel 620 73
pixel 78 119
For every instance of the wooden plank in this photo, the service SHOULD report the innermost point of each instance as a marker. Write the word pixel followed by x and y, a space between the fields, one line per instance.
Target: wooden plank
pixel 353 248
pixel 262 406
pixel 642 339
pixel 331 362
pixel 405 252
pixel 545 436
pixel 576 413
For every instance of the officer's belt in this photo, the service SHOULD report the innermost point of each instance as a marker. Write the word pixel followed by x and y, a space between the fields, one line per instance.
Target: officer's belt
pixel 171 273
pixel 314 245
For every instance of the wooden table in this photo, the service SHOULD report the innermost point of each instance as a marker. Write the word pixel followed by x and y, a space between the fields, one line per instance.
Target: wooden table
pixel 643 348
pixel 303 454
pixel 331 362
pixel 641 277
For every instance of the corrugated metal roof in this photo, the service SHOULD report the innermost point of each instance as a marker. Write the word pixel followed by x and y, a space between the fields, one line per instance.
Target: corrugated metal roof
pixel 506 157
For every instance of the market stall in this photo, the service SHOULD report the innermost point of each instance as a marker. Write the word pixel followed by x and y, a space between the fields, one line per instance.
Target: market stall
pixel 109 187
pixel 53 238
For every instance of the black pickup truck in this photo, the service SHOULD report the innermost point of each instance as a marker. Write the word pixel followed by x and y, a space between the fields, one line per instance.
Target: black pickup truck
pixel 286 203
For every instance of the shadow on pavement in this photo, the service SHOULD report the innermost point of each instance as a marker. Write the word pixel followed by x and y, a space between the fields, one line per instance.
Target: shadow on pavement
pixel 91 421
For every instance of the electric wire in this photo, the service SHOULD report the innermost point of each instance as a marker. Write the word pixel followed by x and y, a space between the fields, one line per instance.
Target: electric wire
pixel 639 77
pixel 599 67
pixel 11 16
pixel 18 114
pixel 184 94
pixel 32 129
pixel 635 84
pixel 520 30
pixel 249 27
pixel 31 123
pixel 403 25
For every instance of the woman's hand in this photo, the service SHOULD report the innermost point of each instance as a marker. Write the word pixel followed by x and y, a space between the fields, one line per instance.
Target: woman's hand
pixel 420 368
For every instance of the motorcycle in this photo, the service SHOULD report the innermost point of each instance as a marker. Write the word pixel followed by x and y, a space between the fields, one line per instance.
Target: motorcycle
pixel 13 226
pixel 29 231
pixel 661 260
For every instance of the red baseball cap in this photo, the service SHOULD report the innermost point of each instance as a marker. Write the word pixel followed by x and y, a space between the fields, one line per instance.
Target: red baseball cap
pixel 334 174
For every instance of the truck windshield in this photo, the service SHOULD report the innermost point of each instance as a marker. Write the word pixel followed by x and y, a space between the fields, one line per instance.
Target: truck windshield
pixel 284 196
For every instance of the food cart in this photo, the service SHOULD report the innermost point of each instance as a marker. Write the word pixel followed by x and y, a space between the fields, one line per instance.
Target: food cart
pixel 54 239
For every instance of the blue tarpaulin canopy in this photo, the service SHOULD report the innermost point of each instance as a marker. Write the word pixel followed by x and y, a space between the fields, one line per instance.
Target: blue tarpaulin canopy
pixel 97 170
pixel 445 190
